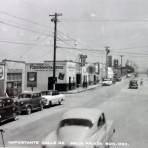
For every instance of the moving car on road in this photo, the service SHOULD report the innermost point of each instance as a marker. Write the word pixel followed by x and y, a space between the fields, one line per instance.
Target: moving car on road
pixel 7 109
pixel 29 101
pixel 51 97
pixel 133 84
pixel 107 82
pixel 79 127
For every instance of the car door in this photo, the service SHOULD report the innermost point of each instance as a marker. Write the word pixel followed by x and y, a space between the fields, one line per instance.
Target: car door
pixel 34 100
pixel 54 97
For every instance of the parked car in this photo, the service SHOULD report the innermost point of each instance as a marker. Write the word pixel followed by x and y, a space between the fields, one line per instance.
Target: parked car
pixel 128 75
pixel 81 125
pixel 107 82
pixel 29 101
pixel 118 78
pixel 51 97
pixel 7 109
pixel 133 84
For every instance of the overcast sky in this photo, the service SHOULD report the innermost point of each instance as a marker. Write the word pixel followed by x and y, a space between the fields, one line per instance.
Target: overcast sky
pixel 87 24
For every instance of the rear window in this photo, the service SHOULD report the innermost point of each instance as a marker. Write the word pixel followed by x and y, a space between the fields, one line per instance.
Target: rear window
pixel 76 122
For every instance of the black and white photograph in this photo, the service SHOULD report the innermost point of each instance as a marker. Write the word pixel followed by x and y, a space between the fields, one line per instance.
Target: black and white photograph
pixel 73 74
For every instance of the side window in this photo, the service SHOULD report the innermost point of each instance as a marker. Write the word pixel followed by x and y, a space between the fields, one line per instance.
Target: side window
pixel 53 93
pixel 101 120
pixel 34 95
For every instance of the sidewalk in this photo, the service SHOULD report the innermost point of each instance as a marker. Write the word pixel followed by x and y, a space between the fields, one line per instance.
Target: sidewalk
pixel 81 89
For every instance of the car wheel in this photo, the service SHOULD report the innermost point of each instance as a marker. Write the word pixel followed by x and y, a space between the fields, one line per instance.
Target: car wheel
pixel 14 116
pixel 41 107
pixel 28 110
pixel 50 103
pixel 60 102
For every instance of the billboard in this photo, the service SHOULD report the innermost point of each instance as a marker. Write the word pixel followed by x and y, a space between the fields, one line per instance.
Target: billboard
pixel 31 79
pixel 1 72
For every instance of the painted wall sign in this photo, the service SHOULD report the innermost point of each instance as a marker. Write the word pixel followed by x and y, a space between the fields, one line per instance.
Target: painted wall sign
pixel 44 67
pixel 1 72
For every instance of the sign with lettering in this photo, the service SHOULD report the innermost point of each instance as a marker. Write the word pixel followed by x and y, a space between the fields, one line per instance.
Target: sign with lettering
pixel 44 67
pixel 1 72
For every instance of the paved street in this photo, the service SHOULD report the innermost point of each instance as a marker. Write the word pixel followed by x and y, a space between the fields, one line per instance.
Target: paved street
pixel 127 107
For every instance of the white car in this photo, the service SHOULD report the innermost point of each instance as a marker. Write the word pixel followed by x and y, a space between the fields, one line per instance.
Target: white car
pixel 81 127
pixel 107 82
pixel 51 97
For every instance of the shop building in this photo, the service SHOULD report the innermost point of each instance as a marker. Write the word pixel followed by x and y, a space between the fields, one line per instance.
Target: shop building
pixel 12 77
pixel 69 75
pixel 39 76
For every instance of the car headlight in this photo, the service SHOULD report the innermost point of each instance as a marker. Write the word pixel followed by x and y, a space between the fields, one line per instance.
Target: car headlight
pixel 0 116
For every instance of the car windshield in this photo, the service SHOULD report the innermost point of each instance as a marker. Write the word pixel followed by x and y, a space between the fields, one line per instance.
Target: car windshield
pixel 24 96
pixel 77 122
pixel 106 79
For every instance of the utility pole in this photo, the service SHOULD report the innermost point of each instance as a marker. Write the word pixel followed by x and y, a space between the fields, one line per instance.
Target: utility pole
pixel 55 20
pixel 106 65
pixel 121 63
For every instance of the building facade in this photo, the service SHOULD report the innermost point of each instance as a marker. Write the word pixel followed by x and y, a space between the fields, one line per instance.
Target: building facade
pixel 12 77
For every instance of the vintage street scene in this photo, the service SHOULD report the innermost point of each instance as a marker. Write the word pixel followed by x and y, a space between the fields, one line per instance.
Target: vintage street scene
pixel 73 74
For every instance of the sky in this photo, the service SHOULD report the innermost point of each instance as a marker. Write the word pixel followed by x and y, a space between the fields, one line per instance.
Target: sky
pixel 85 27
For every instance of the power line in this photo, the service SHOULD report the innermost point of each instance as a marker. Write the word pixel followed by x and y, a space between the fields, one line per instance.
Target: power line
pixel 24 28
pixel 18 43
pixel 23 19
pixel 95 50
pixel 105 20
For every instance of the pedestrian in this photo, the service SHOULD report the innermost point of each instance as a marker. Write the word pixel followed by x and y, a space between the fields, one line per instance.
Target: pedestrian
pixel 141 82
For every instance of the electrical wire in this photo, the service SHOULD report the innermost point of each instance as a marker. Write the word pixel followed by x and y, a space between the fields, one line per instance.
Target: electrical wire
pixel 23 19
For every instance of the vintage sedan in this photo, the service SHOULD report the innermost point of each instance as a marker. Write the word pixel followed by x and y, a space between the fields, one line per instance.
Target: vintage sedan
pixel 133 84
pixel 81 127
pixel 8 109
pixel 51 97
pixel 107 82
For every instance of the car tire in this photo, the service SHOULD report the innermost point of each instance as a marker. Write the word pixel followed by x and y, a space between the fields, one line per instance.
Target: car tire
pixel 28 110
pixel 60 102
pixel 41 107
pixel 14 116
pixel 50 104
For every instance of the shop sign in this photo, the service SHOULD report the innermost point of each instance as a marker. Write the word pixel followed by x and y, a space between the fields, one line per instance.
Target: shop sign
pixel 1 72
pixel 44 67
pixel 90 69
pixel 31 79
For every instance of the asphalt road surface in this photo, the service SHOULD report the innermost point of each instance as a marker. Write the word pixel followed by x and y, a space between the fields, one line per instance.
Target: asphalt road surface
pixel 128 108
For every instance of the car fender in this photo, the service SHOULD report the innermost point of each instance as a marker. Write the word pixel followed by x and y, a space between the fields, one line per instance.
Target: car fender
pixel 50 140
pixel 110 129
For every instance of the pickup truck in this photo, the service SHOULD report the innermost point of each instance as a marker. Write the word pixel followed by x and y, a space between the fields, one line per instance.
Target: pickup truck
pixel 81 127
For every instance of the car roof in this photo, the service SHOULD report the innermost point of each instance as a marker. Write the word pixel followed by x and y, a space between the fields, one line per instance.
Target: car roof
pixel 4 98
pixel 83 113
pixel 30 92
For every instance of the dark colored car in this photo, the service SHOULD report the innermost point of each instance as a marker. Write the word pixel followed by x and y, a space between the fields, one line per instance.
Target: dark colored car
pixel 29 101
pixel 133 84
pixel 8 109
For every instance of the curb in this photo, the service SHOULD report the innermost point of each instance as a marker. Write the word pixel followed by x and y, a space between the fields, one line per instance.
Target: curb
pixel 79 91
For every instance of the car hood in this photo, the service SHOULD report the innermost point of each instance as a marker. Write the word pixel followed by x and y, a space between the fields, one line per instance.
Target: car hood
pixel 70 134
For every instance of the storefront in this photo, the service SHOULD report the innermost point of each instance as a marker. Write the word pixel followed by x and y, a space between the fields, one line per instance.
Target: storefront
pixel 12 77
pixel 39 76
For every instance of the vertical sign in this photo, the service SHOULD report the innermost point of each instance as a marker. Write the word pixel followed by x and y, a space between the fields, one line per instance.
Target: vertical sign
pixel 31 79
pixel 1 72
